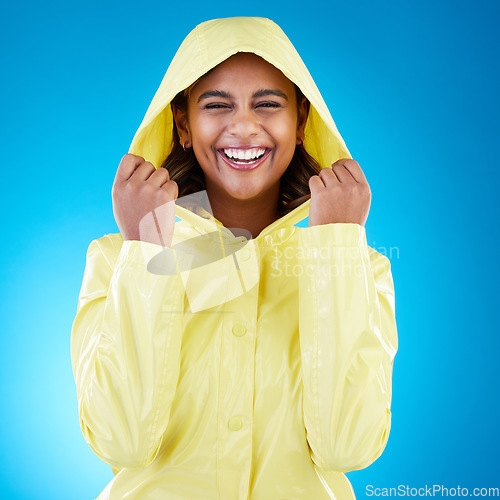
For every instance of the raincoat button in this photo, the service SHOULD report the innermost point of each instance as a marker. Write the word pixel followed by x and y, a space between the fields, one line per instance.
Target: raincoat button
pixel 245 254
pixel 235 423
pixel 239 329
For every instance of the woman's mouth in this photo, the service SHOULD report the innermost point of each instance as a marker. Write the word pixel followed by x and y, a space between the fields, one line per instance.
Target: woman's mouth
pixel 244 159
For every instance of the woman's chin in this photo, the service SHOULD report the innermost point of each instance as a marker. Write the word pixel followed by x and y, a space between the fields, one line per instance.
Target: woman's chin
pixel 244 194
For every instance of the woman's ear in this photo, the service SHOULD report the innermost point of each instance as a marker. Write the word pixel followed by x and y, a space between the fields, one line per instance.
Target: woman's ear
pixel 181 122
pixel 302 119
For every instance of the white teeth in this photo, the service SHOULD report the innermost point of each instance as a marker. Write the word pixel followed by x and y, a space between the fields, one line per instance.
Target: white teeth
pixel 245 154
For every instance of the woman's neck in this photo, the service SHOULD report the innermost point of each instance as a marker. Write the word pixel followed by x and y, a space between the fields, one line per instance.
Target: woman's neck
pixel 243 216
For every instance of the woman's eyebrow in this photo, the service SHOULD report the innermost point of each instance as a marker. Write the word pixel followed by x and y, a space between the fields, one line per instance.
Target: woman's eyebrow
pixel 264 92
pixel 214 93
pixel 225 95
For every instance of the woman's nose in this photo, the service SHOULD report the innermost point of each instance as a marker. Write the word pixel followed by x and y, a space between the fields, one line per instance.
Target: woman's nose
pixel 244 123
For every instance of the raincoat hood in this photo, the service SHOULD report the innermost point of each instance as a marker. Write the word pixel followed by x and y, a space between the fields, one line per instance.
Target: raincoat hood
pixel 206 46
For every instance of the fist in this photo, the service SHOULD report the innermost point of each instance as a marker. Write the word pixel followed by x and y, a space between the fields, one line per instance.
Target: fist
pixel 144 201
pixel 339 194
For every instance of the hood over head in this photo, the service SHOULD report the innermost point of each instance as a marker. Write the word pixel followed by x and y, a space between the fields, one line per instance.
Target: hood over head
pixel 208 45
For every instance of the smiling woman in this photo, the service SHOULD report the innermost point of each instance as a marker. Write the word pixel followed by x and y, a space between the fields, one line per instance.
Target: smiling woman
pixel 211 365
pixel 243 123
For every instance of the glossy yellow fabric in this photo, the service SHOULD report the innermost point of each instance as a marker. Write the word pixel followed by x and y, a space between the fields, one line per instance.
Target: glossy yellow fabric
pixel 227 368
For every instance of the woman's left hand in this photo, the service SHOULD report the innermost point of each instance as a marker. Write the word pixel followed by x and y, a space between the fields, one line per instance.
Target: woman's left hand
pixel 339 194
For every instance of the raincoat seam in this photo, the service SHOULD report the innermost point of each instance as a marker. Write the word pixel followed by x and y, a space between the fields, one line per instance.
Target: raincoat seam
pixel 223 330
pixel 169 332
pixel 201 44
pixel 316 357
pixel 217 419
pixel 270 36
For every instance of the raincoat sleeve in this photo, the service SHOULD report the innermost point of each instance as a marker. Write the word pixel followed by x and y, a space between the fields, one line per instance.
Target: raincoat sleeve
pixel 348 340
pixel 125 350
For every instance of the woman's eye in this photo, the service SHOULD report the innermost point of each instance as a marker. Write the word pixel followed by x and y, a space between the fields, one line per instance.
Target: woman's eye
pixel 216 105
pixel 268 105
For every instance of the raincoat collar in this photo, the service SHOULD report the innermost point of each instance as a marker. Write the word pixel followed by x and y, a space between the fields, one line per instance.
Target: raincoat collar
pixel 195 210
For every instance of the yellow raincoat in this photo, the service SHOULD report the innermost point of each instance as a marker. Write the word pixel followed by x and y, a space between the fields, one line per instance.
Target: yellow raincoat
pixel 227 368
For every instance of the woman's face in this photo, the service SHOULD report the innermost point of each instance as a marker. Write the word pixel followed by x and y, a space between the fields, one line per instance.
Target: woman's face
pixel 243 126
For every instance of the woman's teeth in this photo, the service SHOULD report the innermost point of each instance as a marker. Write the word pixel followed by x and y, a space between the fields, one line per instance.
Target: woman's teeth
pixel 245 155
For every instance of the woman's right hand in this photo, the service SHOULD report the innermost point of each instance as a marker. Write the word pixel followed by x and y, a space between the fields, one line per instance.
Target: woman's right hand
pixel 144 201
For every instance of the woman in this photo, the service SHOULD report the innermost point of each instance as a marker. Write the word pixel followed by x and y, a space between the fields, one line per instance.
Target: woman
pixel 230 354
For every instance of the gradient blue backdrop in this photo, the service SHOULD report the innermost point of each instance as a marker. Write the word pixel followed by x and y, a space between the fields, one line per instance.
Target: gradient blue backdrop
pixel 413 88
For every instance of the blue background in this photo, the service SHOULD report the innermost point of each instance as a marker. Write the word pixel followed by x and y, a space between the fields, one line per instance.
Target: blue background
pixel 413 88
